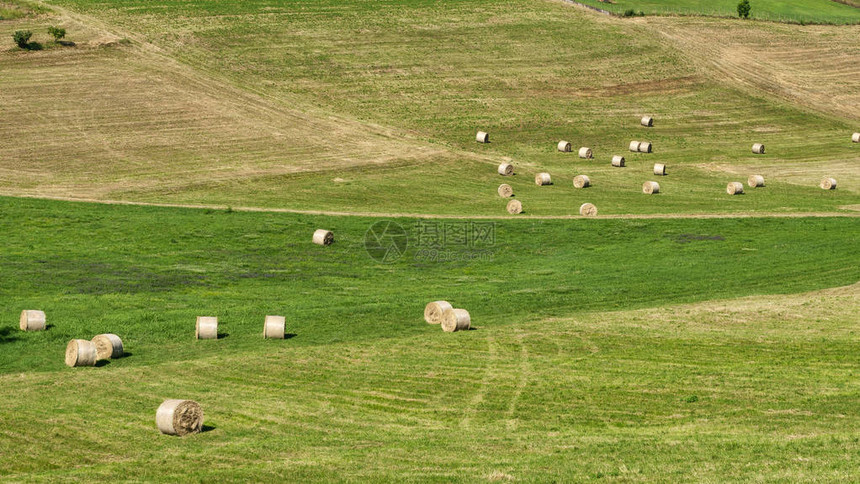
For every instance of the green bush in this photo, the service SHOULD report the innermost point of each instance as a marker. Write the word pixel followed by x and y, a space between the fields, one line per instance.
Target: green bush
pixel 744 9
pixel 22 38
pixel 57 32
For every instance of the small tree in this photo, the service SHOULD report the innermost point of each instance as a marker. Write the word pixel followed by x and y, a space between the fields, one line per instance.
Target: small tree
pixel 57 32
pixel 22 38
pixel 744 9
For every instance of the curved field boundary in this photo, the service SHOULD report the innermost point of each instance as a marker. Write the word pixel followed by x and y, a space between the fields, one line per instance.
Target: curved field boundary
pixel 444 216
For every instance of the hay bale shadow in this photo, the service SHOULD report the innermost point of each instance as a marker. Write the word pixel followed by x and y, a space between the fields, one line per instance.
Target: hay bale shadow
pixel 66 43
pixel 290 335
pixel 223 335
pixel 102 363
pixel 207 428
pixel 7 335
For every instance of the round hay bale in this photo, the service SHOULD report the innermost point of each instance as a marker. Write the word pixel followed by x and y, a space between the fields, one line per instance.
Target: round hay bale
pixel 506 169
pixel 515 207
pixel 482 137
pixel 323 237
pixel 179 417
pixel 758 149
pixel 855 137
pixel 735 188
pixel 581 181
pixel 543 179
pixel 828 183
pixel 207 327
pixel 564 146
pixel 634 146
pixel 434 311
pixel 32 320
pixel 456 320
pixel 505 191
pixel 274 327
pixel 755 181
pixel 618 161
pixel 586 153
pixel 80 352
pixel 650 187
pixel 647 121
pixel 108 346
pixel 645 147
pixel 659 169
pixel 587 210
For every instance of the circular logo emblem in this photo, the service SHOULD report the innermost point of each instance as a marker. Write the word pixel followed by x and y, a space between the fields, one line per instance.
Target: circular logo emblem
pixel 385 241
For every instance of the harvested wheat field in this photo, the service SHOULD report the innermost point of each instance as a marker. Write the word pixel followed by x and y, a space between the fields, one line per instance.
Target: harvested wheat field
pixel 217 163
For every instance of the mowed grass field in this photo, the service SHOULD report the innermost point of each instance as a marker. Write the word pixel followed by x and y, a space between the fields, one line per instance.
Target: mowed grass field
pixel 796 11
pixel 671 349
pixel 363 105
pixel 610 349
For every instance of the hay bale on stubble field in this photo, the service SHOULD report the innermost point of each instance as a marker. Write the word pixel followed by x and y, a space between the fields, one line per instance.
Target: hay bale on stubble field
pixel 456 320
pixel 587 210
pixel 179 417
pixel 323 237
pixel 581 181
pixel 647 121
pixel 828 183
pixel 434 311
pixel 618 161
pixel 207 327
pixel 855 137
pixel 586 153
pixel 564 146
pixel 650 187
pixel 80 352
pixel 755 181
pixel 482 137
pixel 505 190
pixel 543 179
pixel 515 207
pixel 108 346
pixel 644 147
pixel 634 146
pixel 735 188
pixel 758 149
pixel 660 169
pixel 32 320
pixel 274 327
pixel 506 169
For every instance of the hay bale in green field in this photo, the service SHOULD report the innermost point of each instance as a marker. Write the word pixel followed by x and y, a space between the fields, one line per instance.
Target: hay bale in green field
pixel 32 320
pixel 206 328
pixel 108 346
pixel 755 181
pixel 274 327
pixel 828 183
pixel 81 352
pixel 456 320
pixel 179 417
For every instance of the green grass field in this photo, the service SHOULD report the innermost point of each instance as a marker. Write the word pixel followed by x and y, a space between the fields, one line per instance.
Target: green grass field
pixel 585 380
pixel 807 11
pixel 655 344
